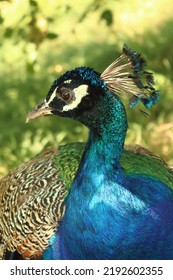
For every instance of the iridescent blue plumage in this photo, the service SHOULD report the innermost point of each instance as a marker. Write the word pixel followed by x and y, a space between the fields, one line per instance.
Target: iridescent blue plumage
pixel 110 213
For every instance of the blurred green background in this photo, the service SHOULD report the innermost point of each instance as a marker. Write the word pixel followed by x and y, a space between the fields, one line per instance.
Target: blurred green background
pixel 41 39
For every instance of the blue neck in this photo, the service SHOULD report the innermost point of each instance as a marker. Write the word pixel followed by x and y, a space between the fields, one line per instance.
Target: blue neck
pixel 99 178
pixel 106 139
pixel 105 209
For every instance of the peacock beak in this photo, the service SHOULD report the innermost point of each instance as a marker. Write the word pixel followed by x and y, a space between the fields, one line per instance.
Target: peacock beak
pixel 41 109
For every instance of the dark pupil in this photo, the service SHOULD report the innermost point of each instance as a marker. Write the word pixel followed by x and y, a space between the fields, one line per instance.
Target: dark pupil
pixel 65 96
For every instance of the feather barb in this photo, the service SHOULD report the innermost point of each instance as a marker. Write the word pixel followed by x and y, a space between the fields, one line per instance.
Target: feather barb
pixel 127 76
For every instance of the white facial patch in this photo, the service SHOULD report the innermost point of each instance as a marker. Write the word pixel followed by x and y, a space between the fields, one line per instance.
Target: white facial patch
pixel 79 92
pixel 53 95
pixel 67 81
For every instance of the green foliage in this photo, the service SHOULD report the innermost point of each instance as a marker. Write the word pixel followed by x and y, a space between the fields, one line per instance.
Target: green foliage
pixel 41 39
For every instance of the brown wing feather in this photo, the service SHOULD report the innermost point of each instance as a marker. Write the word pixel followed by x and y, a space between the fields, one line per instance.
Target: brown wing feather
pixel 31 215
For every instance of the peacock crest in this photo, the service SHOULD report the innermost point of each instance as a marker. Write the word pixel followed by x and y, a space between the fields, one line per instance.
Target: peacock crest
pixel 127 76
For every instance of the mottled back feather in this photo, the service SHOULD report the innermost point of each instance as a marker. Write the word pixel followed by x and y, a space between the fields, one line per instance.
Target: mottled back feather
pixel 32 203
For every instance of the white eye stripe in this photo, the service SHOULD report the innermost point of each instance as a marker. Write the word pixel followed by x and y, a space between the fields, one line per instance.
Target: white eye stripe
pixel 80 92
pixel 53 95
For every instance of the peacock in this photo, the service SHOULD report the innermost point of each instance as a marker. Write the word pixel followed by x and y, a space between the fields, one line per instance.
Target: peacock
pixel 98 200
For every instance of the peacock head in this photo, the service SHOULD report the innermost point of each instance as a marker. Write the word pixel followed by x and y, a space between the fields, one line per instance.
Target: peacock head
pixel 73 95
pixel 86 95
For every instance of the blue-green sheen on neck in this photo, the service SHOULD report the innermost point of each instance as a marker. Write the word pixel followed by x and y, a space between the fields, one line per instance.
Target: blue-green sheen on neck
pixel 110 215
pixel 107 130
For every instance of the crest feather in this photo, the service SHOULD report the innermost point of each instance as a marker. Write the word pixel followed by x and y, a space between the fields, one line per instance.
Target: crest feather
pixel 127 76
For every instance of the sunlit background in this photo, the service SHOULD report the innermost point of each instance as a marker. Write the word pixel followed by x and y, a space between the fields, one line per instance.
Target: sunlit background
pixel 40 39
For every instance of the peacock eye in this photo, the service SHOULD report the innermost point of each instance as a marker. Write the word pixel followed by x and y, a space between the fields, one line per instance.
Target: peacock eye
pixel 65 94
